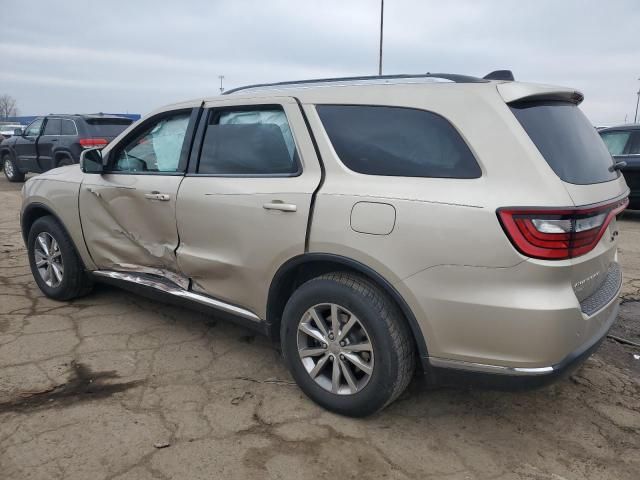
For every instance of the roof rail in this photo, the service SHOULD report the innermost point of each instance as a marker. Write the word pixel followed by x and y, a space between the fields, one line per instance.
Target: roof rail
pixel 446 76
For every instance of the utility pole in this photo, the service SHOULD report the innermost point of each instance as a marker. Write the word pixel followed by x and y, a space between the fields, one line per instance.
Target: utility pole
pixel 221 77
pixel 381 30
pixel 635 119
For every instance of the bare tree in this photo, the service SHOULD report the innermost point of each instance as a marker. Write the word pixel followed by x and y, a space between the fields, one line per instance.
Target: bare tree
pixel 8 106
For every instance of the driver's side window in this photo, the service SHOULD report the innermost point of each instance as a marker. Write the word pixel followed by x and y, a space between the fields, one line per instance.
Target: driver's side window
pixel 33 130
pixel 157 149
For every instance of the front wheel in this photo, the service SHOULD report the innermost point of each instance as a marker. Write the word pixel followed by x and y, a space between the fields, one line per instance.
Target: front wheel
pixel 11 170
pixel 55 264
pixel 347 344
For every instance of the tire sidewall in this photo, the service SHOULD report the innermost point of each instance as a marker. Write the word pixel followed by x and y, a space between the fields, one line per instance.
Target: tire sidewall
pixel 379 389
pixel 64 161
pixel 7 159
pixel 50 226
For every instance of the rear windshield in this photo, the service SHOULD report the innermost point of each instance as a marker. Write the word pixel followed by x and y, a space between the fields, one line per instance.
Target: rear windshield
pixel 108 127
pixel 567 141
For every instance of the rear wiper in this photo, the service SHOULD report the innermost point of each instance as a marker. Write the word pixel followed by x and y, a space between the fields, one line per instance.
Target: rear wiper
pixel 617 166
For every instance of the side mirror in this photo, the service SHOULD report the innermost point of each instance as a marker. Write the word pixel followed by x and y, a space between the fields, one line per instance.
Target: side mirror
pixel 18 132
pixel 91 161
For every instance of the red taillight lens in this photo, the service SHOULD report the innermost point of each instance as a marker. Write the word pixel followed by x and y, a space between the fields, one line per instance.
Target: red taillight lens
pixel 557 234
pixel 93 142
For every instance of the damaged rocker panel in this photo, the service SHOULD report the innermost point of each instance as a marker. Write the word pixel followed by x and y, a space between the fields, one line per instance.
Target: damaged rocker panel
pixel 176 291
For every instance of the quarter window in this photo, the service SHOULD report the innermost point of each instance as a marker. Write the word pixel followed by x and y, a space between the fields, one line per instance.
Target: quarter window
pixel 248 142
pixel 68 128
pixel 615 141
pixel 396 141
pixel 157 149
pixel 634 144
pixel 52 127
pixel 33 130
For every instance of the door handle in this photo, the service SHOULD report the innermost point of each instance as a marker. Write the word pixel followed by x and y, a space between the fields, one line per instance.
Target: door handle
pixel 163 197
pixel 278 205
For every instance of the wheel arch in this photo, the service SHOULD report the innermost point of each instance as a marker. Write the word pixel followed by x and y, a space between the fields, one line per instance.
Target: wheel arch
pixel 33 212
pixel 6 150
pixel 298 270
pixel 61 153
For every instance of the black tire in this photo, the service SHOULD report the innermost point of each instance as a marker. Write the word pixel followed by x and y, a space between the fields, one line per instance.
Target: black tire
pixel 13 174
pixel 64 160
pixel 75 282
pixel 393 346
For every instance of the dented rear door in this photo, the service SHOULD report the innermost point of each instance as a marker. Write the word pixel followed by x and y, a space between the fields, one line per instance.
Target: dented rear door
pixel 128 213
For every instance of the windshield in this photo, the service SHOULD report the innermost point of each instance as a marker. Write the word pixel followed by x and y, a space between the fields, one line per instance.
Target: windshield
pixel 567 141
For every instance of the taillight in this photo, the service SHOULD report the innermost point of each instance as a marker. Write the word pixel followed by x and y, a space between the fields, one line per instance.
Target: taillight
pixel 553 234
pixel 93 142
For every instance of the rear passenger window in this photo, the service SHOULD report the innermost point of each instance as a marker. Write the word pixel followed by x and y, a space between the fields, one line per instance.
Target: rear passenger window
pixel 248 142
pixel 68 128
pixel 396 141
pixel 52 127
pixel 634 144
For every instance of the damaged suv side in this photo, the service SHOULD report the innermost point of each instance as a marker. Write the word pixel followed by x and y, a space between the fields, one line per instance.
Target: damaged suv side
pixel 367 225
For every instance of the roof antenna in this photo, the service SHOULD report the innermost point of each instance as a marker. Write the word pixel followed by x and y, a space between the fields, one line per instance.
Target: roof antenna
pixel 500 75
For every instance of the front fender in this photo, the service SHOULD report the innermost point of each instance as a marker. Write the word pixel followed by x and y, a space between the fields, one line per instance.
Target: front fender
pixel 7 148
pixel 58 197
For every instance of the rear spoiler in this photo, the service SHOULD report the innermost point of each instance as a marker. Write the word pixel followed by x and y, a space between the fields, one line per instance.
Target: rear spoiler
pixel 529 92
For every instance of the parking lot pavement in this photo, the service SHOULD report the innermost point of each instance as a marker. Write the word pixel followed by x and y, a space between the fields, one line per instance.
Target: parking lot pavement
pixel 116 386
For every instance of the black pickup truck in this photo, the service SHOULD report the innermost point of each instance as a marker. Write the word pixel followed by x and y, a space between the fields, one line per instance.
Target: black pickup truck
pixel 56 140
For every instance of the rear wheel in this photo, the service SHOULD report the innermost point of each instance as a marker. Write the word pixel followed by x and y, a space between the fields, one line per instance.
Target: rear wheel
pixel 64 161
pixel 55 264
pixel 347 344
pixel 11 169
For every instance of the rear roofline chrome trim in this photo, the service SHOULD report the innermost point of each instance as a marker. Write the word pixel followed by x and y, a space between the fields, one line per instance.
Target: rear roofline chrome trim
pixel 175 290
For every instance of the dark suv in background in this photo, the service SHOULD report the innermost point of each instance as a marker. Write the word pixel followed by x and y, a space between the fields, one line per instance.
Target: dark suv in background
pixel 56 140
pixel 623 143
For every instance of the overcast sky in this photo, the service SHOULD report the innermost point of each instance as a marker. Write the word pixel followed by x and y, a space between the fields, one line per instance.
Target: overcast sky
pixel 77 56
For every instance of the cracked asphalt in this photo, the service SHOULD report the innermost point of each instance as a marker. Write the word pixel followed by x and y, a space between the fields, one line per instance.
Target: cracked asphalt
pixel 115 386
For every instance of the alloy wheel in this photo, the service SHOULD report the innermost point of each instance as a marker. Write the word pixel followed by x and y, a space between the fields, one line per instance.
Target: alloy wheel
pixel 48 258
pixel 8 168
pixel 335 349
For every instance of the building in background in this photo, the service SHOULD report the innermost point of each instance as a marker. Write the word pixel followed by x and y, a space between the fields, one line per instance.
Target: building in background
pixel 27 119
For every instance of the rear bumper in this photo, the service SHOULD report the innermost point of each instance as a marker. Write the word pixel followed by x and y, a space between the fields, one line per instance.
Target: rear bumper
pixel 451 372
pixel 521 321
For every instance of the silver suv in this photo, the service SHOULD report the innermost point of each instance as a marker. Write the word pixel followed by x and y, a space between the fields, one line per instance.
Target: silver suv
pixel 368 225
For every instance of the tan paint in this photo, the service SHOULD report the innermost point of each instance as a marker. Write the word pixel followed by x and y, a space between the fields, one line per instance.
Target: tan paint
pixel 231 245
pixel 58 190
pixel 475 297
pixel 373 218
pixel 123 229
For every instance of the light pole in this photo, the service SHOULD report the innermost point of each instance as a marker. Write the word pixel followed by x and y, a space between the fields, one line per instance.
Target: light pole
pixel 635 119
pixel 221 77
pixel 381 25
